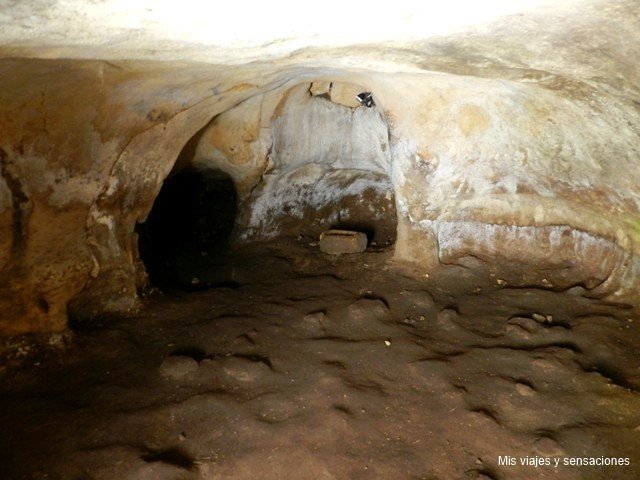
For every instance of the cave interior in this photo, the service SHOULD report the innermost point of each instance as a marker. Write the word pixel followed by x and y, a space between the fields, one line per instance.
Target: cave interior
pixel 406 246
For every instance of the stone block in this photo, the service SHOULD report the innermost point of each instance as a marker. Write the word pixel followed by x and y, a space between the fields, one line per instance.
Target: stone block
pixel 338 242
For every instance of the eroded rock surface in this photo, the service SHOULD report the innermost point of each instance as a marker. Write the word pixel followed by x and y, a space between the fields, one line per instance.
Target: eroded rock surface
pixel 347 370
pixel 487 146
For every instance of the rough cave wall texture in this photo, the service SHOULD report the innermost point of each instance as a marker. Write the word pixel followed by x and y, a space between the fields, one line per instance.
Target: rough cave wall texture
pixel 80 166
pixel 495 149
pixel 328 167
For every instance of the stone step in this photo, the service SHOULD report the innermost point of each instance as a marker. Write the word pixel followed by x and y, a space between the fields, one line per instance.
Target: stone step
pixel 338 242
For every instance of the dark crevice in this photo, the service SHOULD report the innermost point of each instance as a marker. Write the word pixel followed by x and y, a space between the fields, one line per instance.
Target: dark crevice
pixel 373 296
pixel 612 374
pixel 534 347
pixel 364 385
pixel 185 241
pixel 343 409
pixel 485 471
pixel 437 358
pixel 255 358
pixel 520 380
pixel 170 456
pixel 195 353
pixel 335 363
pixel 20 206
pixel 247 338
pixel 335 338
pixel 43 304
pixel 488 412
pixel 554 322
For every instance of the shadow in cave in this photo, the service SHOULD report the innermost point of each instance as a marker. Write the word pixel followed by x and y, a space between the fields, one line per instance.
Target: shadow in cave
pixel 186 237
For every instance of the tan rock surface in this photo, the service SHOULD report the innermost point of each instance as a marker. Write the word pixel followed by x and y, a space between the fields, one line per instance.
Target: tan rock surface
pixel 510 141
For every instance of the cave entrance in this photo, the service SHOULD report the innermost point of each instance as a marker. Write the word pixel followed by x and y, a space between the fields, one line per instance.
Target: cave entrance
pixel 185 239
pixel 320 161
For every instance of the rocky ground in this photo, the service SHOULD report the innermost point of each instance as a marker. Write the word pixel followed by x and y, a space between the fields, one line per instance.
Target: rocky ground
pixel 302 366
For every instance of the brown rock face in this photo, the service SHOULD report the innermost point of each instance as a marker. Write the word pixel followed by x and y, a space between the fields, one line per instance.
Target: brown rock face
pixel 80 167
pixel 312 199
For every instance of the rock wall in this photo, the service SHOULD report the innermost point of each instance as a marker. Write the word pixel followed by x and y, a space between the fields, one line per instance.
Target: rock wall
pixel 534 179
pixel 328 167
pixel 475 160
pixel 84 149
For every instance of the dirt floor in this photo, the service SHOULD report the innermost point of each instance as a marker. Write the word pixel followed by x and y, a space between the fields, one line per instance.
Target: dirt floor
pixel 301 366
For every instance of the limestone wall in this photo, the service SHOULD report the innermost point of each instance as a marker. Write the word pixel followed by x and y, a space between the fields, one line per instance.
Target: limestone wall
pixel 533 175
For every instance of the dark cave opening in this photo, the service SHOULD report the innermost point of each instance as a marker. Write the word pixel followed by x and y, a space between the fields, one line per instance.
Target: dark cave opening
pixel 186 237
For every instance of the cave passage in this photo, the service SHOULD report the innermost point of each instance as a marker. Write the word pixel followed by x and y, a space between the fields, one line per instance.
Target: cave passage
pixel 319 241
pixel 189 228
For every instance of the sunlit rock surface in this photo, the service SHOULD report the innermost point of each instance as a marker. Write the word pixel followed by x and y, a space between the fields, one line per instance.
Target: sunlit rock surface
pixel 507 138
